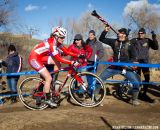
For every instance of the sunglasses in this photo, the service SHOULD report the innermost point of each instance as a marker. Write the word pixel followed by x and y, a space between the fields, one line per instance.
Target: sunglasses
pixel 62 37
pixel 77 39
pixel 122 32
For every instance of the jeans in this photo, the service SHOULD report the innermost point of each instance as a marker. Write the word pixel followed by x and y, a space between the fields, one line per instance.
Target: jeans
pixel 12 83
pixel 131 76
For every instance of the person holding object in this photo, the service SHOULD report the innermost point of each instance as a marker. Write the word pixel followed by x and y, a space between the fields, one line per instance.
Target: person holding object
pixel 141 46
pixel 123 52
pixel 13 63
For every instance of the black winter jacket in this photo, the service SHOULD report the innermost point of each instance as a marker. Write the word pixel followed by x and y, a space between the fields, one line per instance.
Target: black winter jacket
pixel 123 51
pixel 142 47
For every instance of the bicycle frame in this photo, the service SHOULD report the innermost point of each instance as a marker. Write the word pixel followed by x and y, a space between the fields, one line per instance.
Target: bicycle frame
pixel 72 72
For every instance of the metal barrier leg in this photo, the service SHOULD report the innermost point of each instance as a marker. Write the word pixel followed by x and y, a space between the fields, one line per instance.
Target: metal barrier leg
pixel 1 102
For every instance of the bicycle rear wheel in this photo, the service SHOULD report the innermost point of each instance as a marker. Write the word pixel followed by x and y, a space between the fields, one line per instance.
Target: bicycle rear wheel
pixel 93 95
pixel 124 90
pixel 31 93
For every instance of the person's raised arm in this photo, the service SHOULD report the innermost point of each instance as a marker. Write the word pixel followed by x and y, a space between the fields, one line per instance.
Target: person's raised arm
pixel 102 38
pixel 153 43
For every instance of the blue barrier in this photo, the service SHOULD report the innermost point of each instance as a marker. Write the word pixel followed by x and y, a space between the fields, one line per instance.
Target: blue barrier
pixel 7 95
pixel 130 64
pixel 101 62
pixel 35 72
pixel 19 73
pixel 120 81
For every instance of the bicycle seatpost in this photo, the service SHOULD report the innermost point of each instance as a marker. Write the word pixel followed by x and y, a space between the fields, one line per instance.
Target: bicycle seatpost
pixel 55 76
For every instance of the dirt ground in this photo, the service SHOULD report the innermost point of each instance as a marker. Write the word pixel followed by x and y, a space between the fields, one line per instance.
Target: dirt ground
pixel 113 113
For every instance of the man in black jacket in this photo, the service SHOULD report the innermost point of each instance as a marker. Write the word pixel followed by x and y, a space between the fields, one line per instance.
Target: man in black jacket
pixel 142 45
pixel 123 52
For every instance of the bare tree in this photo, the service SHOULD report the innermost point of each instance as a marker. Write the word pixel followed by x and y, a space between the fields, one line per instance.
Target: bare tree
pixel 32 31
pixel 6 12
pixel 142 14
pixel 83 24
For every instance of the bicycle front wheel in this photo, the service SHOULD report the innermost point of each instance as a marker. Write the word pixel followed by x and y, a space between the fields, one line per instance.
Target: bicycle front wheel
pixel 31 93
pixel 89 94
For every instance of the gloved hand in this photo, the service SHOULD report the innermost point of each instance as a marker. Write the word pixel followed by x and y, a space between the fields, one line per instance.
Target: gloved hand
pixel 82 56
pixel 75 64
pixel 134 67
pixel 107 28
pixel 153 35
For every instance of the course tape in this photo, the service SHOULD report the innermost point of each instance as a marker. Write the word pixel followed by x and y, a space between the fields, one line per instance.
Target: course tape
pixel 123 81
pixel 85 67
pixel 130 64
pixel 101 62
pixel 35 72
pixel 19 73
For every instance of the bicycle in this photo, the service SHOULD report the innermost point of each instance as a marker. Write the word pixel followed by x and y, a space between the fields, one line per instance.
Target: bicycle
pixel 124 90
pixel 84 94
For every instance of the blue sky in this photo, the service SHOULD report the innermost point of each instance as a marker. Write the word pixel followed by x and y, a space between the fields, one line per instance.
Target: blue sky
pixel 43 14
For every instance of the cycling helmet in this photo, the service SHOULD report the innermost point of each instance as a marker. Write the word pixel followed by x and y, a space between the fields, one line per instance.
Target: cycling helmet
pixel 59 31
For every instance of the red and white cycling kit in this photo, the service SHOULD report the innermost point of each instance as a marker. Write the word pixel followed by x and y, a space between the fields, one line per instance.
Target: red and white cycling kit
pixel 43 51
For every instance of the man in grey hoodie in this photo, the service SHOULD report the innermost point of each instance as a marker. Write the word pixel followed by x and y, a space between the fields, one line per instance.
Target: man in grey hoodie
pixel 97 53
pixel 97 48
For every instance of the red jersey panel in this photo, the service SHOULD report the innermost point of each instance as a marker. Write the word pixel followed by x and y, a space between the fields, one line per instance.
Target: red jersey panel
pixel 48 48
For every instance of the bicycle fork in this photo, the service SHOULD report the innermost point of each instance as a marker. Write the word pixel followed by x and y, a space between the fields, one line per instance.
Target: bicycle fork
pixel 79 79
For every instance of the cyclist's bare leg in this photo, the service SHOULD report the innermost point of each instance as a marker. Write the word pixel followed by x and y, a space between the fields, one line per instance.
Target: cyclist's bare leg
pixel 46 75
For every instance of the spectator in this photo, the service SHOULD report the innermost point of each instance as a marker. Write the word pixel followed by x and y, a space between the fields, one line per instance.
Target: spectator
pixel 97 53
pixel 123 52
pixel 13 62
pixel 97 49
pixel 142 45
pixel 81 48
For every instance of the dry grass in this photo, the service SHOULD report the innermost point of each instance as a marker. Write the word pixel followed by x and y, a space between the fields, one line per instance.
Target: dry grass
pixel 155 75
